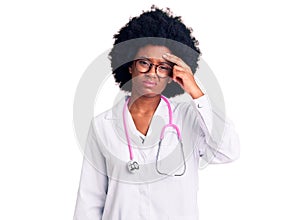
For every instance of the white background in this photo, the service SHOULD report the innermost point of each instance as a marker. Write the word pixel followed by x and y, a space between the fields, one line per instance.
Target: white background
pixel 251 46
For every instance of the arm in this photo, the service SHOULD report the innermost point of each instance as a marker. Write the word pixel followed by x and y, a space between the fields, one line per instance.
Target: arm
pixel 93 184
pixel 216 139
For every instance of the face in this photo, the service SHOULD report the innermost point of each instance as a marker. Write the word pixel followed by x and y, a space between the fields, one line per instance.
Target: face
pixel 153 82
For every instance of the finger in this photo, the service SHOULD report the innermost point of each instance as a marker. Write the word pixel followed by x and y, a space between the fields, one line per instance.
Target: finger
pixel 179 77
pixel 174 59
pixel 178 68
pixel 181 69
pixel 178 71
pixel 179 81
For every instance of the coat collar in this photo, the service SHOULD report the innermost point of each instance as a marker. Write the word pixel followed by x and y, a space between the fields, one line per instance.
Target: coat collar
pixel 116 112
pixel 159 119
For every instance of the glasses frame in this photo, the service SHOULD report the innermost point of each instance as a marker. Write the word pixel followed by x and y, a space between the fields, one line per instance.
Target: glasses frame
pixel 155 66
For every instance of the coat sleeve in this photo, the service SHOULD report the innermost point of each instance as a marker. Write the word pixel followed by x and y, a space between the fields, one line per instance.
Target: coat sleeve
pixel 93 184
pixel 217 140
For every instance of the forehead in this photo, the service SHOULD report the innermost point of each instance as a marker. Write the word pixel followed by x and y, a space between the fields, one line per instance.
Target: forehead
pixel 152 51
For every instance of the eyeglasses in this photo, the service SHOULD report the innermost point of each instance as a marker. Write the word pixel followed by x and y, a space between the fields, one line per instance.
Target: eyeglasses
pixel 162 70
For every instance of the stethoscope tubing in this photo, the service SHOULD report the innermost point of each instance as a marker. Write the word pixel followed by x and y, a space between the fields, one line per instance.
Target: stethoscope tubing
pixel 170 124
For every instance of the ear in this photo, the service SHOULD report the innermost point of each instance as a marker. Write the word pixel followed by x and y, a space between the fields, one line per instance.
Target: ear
pixel 130 69
pixel 170 80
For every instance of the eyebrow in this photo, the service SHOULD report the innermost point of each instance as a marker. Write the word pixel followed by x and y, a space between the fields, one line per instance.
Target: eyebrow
pixel 149 59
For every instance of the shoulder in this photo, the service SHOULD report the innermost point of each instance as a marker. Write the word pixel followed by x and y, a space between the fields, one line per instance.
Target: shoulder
pixel 114 112
pixel 190 109
pixel 103 115
pixel 182 104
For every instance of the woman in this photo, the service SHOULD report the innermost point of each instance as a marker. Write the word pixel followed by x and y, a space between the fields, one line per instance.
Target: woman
pixel 141 158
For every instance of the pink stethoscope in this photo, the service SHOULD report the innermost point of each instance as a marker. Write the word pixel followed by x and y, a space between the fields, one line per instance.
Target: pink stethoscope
pixel 133 165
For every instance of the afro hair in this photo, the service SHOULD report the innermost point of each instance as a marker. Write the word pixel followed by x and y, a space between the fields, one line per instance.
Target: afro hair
pixel 153 27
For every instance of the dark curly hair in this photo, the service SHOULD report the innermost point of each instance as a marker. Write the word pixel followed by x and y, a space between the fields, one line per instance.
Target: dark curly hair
pixel 155 27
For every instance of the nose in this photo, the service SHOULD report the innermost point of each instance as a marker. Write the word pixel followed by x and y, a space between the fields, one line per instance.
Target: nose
pixel 153 71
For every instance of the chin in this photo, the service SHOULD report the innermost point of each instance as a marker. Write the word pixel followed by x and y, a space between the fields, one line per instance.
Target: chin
pixel 147 92
pixel 151 95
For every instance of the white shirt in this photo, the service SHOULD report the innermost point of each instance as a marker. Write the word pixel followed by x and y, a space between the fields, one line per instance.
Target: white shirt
pixel 108 191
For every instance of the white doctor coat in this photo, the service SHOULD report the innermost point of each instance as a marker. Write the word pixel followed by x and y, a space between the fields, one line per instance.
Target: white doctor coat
pixel 108 191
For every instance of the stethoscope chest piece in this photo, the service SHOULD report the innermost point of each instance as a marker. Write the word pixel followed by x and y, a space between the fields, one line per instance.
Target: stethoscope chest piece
pixel 133 166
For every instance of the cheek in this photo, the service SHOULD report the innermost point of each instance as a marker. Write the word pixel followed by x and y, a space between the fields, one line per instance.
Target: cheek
pixel 134 73
pixel 163 85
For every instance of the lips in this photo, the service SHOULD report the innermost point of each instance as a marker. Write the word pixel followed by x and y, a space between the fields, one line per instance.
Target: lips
pixel 149 83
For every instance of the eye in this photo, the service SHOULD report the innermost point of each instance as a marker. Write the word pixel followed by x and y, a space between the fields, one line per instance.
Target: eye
pixel 143 63
pixel 165 68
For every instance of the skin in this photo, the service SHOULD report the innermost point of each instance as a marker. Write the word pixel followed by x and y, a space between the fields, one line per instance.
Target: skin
pixel 147 88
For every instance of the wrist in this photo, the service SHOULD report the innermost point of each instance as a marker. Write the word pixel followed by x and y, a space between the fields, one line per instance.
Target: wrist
pixel 196 93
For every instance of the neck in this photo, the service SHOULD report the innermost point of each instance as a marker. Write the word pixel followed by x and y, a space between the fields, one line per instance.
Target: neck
pixel 143 104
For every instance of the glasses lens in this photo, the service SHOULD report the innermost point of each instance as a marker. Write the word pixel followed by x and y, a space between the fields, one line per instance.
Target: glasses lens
pixel 143 66
pixel 164 70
